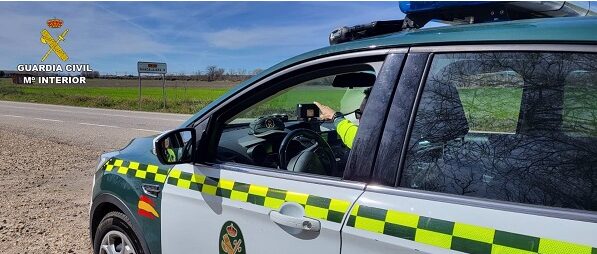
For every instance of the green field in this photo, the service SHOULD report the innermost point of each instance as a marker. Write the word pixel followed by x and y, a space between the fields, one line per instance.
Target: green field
pixel 486 109
pixel 285 103
pixel 190 99
pixel 178 99
pixel 491 109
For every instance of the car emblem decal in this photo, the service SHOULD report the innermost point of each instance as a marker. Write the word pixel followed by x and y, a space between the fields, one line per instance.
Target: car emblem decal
pixel 231 239
pixel 146 208
pixel 269 123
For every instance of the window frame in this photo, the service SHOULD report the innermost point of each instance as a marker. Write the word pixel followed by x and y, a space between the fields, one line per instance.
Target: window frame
pixel 212 121
pixel 401 106
pixel 395 189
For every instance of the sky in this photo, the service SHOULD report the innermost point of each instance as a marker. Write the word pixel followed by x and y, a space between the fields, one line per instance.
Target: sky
pixel 188 36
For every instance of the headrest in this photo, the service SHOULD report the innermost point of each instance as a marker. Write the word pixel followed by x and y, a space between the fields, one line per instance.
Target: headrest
pixel 440 116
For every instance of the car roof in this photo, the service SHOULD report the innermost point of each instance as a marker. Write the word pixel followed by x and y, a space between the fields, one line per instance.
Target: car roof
pixel 580 30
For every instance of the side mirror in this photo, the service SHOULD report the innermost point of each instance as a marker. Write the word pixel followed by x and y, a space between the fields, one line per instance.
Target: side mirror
pixel 176 146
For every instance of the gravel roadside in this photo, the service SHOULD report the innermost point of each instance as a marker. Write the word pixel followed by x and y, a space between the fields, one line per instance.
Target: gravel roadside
pixel 48 154
pixel 44 194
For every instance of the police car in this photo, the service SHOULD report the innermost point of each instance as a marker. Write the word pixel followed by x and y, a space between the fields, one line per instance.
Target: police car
pixel 475 137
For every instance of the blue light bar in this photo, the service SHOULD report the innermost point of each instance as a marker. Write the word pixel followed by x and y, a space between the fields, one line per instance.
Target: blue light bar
pixel 420 13
pixel 412 7
pixel 542 9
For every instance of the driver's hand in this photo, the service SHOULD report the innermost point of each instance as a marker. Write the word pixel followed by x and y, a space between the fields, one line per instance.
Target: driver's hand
pixel 325 112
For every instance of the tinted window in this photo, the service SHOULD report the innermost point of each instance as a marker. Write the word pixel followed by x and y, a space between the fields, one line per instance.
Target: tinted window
pixel 517 127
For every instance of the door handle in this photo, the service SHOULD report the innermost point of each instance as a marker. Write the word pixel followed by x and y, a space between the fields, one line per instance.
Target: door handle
pixel 151 189
pixel 303 222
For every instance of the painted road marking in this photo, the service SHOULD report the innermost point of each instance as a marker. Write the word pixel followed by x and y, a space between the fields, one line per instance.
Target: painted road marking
pixel 45 119
pixel 14 116
pixel 93 113
pixel 93 109
pixel 100 125
pixel 148 130
pixel 118 127
pixel 88 124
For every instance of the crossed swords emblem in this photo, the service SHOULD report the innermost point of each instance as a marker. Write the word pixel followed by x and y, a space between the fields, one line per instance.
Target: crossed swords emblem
pixel 54 46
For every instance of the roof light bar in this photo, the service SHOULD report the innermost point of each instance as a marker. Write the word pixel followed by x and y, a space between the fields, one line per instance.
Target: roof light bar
pixel 483 11
pixel 419 13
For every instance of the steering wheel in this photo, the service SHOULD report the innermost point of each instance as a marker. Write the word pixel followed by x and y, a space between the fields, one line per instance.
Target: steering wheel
pixel 313 143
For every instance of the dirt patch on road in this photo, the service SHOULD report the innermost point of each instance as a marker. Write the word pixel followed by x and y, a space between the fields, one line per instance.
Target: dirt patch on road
pixel 44 195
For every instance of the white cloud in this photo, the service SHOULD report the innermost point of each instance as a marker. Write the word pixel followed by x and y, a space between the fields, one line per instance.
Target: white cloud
pixel 113 36
pixel 238 38
pixel 316 25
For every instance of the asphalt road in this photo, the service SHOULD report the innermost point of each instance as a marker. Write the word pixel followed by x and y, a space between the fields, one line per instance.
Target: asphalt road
pixel 104 129
pixel 47 157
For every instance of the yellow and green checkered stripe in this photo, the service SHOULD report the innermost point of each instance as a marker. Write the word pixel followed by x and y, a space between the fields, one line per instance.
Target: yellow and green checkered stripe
pixel 136 169
pixel 315 207
pixel 455 235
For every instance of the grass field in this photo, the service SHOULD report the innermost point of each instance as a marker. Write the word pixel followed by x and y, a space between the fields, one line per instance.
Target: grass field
pixel 486 109
pixel 286 102
pixel 179 99
pixel 501 115
pixel 491 109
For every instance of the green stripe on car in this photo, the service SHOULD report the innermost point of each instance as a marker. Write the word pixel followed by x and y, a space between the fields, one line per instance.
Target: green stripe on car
pixel 136 170
pixel 317 207
pixel 455 235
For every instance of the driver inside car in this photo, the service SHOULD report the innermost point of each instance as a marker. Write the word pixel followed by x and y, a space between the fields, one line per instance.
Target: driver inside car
pixel 346 129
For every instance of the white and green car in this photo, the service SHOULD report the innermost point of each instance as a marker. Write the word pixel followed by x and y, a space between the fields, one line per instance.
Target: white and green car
pixel 478 138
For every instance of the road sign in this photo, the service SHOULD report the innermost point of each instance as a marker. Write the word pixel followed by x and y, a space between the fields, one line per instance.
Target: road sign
pixel 155 68
pixel 150 67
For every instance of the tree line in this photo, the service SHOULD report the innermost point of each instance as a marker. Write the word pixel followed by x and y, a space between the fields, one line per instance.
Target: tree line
pixel 211 73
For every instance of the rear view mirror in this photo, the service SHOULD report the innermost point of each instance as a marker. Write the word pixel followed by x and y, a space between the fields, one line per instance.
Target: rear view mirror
pixel 176 146
pixel 355 79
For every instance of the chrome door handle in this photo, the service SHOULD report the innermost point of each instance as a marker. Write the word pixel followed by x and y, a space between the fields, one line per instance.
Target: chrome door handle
pixel 151 189
pixel 303 223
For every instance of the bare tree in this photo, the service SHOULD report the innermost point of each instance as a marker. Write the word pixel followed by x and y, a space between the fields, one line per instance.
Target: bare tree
pixel 214 73
pixel 220 74
pixel 90 74
pixel 256 71
pixel 210 72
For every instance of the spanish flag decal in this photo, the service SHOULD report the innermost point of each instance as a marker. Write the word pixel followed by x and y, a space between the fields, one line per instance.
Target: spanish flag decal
pixel 146 208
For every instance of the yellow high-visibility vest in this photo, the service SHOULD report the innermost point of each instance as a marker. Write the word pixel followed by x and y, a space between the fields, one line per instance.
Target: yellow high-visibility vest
pixel 347 131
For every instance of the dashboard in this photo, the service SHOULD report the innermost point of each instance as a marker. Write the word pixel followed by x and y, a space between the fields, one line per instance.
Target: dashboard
pixel 238 145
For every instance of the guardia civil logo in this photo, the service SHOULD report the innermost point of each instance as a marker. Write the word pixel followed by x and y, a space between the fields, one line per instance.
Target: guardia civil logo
pixel 54 44
pixel 231 239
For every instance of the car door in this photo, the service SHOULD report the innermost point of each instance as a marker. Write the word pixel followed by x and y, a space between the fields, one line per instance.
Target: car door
pixel 496 157
pixel 233 207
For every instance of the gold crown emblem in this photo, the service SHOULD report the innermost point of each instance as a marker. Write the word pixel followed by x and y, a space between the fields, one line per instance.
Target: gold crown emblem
pixel 55 23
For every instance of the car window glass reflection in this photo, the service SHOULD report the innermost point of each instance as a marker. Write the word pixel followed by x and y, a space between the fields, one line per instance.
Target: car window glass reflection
pixel 517 127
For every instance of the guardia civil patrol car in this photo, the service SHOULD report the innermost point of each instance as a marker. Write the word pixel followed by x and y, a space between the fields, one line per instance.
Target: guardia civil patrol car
pixel 475 137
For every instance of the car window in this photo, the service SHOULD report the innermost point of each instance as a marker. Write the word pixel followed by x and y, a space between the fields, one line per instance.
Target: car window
pixel 517 127
pixel 275 132
pixel 285 102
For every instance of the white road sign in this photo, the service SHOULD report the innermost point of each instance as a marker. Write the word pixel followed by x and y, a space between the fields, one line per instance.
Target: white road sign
pixel 150 67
